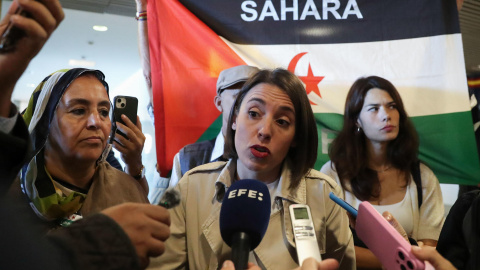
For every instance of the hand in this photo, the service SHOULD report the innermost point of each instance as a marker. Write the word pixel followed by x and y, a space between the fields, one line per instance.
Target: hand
pixel 389 217
pixel 312 264
pixel 431 255
pixel 46 15
pixel 146 225
pixel 130 149
pixel 228 265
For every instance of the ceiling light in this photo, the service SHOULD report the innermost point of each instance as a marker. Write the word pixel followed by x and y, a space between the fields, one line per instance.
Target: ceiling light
pixel 100 28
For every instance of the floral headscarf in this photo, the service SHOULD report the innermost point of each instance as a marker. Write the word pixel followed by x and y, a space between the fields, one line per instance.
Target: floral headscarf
pixel 37 184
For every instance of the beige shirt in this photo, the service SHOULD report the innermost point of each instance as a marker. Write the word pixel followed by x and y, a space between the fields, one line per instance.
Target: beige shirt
pixel 428 220
pixel 196 243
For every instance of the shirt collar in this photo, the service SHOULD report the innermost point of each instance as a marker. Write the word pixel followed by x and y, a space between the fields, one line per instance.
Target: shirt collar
pixel 227 177
pixel 218 148
pixel 224 180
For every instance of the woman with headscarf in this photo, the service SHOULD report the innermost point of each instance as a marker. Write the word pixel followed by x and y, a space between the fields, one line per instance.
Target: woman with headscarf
pixel 67 176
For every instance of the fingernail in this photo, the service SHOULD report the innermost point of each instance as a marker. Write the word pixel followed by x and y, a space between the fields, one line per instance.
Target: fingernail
pixel 227 264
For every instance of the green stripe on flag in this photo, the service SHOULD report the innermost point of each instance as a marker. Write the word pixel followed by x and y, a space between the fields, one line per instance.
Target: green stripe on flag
pixel 212 131
pixel 447 144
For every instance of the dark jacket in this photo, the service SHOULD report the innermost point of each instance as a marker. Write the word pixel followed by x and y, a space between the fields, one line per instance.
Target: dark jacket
pixel 459 241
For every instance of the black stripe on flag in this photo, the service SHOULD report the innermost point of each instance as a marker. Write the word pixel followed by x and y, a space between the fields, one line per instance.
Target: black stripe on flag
pixel 340 21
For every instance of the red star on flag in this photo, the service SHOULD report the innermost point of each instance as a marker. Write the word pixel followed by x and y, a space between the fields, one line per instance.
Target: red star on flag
pixel 311 82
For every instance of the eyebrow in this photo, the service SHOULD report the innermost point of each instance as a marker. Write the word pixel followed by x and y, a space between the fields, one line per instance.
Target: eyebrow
pixel 283 108
pixel 378 104
pixel 83 101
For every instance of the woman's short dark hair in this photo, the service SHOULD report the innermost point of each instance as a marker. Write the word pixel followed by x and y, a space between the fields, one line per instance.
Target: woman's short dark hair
pixel 304 152
pixel 348 151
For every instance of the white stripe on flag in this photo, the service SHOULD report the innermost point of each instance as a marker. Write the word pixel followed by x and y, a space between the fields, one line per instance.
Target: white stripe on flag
pixel 428 72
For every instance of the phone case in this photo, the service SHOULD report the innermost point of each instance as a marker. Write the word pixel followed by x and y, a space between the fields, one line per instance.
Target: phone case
pixel 124 105
pixel 385 242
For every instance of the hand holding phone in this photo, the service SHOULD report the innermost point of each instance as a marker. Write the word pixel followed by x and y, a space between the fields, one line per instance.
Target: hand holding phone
pixel 12 34
pixel 381 238
pixel 124 105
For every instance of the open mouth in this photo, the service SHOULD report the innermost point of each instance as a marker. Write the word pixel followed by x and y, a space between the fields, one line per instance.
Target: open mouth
pixel 259 151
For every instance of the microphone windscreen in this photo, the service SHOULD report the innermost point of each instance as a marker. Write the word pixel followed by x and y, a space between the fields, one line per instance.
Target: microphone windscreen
pixel 245 208
pixel 170 198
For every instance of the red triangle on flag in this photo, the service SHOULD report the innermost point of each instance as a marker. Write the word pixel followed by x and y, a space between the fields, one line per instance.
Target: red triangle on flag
pixel 186 57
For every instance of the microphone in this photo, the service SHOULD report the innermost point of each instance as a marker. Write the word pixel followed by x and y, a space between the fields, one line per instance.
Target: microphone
pixel 244 218
pixel 170 198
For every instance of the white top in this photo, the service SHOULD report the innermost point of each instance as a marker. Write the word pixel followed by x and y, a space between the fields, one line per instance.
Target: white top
pixel 402 211
pixel 218 148
pixel 273 189
pixel 428 220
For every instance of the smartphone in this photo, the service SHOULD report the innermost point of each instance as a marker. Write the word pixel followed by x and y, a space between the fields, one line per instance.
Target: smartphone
pixel 304 233
pixel 12 34
pixel 124 105
pixel 393 251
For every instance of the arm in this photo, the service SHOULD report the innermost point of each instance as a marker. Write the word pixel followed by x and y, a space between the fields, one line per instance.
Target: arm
pixel 131 148
pixel 433 257
pixel 46 16
pixel 432 210
pixel 121 237
pixel 143 47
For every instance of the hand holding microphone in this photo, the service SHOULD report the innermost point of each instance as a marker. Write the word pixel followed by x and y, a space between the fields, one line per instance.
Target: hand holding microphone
pixel 244 218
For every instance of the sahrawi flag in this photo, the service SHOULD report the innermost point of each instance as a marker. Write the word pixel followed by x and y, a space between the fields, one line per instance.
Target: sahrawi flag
pixel 328 44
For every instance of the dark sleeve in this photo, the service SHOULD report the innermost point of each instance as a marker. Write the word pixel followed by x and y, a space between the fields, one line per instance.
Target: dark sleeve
pixel 14 148
pixel 96 242
pixel 113 161
pixel 23 246
pixel 451 243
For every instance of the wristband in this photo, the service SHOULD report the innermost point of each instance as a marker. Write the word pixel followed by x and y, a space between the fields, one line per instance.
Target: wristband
pixel 141 174
pixel 141 16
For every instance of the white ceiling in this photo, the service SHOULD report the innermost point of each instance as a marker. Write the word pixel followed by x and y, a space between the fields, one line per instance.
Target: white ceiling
pixel 115 52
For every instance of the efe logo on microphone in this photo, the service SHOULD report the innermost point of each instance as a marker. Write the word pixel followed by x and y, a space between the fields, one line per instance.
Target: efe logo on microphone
pixel 245 192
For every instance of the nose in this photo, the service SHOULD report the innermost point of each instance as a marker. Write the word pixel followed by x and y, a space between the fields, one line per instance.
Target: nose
pixel 385 114
pixel 265 130
pixel 93 120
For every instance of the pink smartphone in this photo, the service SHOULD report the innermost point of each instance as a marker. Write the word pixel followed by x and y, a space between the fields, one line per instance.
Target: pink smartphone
pixel 393 251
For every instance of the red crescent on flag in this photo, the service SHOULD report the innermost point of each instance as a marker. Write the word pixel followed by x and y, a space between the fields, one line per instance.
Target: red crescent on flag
pixel 311 81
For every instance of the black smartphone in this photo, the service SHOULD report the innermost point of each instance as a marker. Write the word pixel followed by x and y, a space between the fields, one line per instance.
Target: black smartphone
pixel 124 105
pixel 12 34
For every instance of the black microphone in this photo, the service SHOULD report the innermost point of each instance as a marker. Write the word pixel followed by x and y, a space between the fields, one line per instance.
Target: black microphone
pixel 244 218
